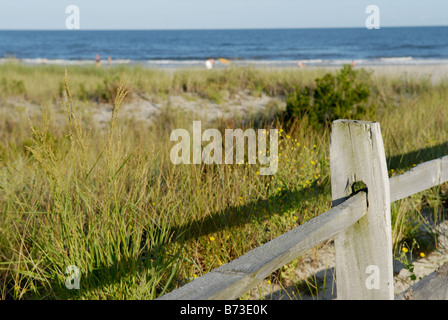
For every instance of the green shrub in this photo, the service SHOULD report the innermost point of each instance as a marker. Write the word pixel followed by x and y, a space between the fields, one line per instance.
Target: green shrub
pixel 106 91
pixel 83 93
pixel 12 87
pixel 336 96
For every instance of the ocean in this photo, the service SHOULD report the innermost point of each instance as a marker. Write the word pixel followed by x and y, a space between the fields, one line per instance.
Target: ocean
pixel 262 47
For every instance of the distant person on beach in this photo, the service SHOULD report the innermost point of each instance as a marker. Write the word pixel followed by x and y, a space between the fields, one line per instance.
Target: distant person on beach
pixel 209 63
pixel 109 60
pixel 301 64
pixel 98 60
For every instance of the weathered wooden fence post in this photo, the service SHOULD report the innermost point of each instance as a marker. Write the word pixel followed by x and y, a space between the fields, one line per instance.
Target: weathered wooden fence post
pixel 364 265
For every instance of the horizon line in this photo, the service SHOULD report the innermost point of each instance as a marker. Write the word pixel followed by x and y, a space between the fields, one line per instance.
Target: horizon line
pixel 228 29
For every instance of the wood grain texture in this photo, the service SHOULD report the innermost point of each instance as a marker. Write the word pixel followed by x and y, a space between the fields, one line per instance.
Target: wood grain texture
pixel 357 155
pixel 432 287
pixel 237 277
pixel 421 177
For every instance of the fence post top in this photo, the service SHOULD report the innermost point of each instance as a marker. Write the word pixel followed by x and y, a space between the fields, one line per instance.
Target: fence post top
pixel 353 121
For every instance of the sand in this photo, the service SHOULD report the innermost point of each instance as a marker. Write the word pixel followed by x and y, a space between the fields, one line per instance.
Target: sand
pixel 434 72
pixel 245 105
pixel 242 105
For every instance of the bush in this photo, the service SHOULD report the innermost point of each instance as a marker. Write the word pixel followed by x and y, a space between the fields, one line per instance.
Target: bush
pixel 336 96
pixel 12 87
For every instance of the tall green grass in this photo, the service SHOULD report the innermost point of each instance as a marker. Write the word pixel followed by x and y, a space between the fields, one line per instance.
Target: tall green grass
pixel 110 201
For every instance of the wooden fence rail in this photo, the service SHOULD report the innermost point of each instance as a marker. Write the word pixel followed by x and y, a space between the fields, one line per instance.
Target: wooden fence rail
pixel 359 222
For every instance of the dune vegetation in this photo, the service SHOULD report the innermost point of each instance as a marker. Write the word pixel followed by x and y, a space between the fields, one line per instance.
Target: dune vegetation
pixel 109 201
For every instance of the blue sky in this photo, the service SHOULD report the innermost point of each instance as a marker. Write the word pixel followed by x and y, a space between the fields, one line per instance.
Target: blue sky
pixel 222 14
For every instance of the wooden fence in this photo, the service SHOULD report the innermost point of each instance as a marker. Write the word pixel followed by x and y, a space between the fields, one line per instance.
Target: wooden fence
pixel 360 222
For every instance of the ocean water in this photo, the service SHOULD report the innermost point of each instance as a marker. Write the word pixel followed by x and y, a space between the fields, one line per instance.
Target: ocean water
pixel 277 47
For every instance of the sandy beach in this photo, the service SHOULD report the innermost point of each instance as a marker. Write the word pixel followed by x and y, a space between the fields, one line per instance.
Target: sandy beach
pixel 435 72
pixel 242 104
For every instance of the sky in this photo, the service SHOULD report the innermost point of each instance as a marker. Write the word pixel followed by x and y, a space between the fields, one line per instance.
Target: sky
pixel 222 14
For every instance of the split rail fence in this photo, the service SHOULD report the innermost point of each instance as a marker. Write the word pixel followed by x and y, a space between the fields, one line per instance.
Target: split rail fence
pixel 359 222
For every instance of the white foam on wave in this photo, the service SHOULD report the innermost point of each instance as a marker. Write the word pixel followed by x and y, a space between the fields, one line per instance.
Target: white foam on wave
pixel 174 62
pixel 34 61
pixel 44 61
pixel 396 59
pixel 255 63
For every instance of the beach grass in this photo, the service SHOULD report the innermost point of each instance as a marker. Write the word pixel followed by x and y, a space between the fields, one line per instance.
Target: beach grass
pixel 96 84
pixel 109 201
